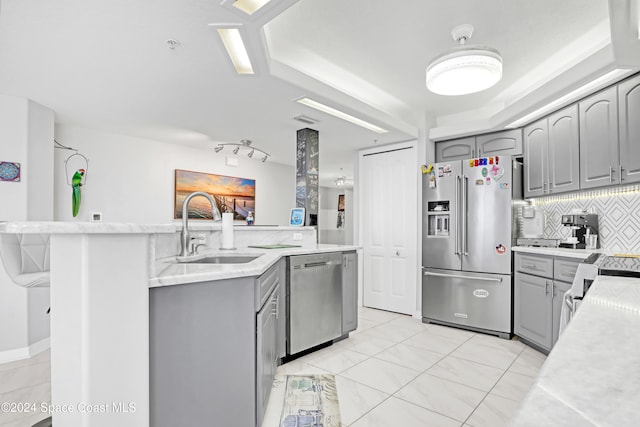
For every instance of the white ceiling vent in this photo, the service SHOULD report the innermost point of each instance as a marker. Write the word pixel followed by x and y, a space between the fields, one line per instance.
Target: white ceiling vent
pixel 305 119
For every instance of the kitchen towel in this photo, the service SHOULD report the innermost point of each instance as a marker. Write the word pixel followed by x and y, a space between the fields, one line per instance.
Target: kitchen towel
pixel 227 230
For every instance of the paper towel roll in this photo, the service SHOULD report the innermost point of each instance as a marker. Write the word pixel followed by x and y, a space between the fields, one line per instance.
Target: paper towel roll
pixel 227 230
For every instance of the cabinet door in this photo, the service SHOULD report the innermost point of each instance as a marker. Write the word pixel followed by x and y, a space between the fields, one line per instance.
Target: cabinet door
pixel 599 150
pixel 564 150
pixel 266 352
pixel 456 149
pixel 281 310
pixel 629 103
pixel 505 143
pixel 559 288
pixel 349 292
pixel 532 309
pixel 536 137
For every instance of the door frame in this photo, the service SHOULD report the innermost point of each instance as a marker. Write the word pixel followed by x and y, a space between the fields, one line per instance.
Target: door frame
pixel 419 154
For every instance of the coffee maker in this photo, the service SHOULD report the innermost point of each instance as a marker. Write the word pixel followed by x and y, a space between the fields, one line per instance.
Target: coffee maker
pixel 581 225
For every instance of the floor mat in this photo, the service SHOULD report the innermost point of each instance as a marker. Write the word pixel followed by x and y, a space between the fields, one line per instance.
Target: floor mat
pixel 310 401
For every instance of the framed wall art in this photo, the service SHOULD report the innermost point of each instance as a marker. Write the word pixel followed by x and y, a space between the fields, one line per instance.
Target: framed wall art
pixel 231 194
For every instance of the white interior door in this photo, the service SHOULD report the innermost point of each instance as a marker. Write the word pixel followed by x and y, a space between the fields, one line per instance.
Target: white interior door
pixel 389 233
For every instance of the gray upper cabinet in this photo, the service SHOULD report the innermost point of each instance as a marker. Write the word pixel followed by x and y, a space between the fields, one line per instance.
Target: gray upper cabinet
pixel 505 143
pixel 456 149
pixel 629 106
pixel 536 137
pixel 564 151
pixel 599 150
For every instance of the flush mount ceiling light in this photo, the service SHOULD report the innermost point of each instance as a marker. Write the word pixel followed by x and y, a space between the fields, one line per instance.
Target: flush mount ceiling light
pixel 245 143
pixel 232 40
pixel 340 181
pixel 337 113
pixel 249 6
pixel 466 68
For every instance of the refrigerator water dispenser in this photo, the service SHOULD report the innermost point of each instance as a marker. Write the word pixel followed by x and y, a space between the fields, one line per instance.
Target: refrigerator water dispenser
pixel 438 218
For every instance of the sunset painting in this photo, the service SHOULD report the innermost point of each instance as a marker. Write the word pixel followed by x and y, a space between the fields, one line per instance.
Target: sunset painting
pixel 237 195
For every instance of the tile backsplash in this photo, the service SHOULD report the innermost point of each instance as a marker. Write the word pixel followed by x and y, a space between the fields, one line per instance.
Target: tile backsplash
pixel 618 212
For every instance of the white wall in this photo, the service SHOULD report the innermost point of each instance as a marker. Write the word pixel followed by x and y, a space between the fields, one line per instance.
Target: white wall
pixel 26 137
pixel 131 179
pixel 328 231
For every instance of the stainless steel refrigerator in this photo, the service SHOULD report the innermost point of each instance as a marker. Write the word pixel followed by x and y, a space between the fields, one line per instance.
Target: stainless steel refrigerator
pixel 468 229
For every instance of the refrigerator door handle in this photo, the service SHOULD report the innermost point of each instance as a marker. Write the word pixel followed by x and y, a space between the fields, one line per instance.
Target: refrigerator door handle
pixel 465 183
pixel 457 220
pixel 458 276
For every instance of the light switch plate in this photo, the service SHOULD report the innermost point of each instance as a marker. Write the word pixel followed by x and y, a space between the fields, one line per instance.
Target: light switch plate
pixel 96 216
pixel 231 161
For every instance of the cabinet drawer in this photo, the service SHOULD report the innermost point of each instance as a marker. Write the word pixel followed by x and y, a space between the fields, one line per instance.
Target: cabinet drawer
pixel 531 264
pixel 265 284
pixel 565 270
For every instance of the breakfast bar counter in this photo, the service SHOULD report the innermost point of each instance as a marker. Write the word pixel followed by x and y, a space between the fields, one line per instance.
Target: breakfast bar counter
pixel 592 375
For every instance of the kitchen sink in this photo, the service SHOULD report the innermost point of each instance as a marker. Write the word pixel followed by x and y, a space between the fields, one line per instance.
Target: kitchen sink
pixel 223 259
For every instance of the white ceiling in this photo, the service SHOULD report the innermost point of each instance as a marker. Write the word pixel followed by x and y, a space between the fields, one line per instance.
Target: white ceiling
pixel 106 65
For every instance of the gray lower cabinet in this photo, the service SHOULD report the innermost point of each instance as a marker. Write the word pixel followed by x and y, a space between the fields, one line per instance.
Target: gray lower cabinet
pixel 532 309
pixel 629 114
pixel 267 349
pixel 349 292
pixel 539 286
pixel 599 148
pixel 214 347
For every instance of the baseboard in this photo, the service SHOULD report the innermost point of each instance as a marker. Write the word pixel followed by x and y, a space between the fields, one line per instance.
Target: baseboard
pixel 25 352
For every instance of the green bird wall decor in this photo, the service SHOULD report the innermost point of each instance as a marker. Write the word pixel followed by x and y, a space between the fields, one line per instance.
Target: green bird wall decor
pixel 76 195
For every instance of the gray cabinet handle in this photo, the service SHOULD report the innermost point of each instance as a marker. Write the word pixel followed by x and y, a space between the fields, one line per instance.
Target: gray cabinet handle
pixel 569 274
pixel 532 266
pixel 610 174
pixel 621 170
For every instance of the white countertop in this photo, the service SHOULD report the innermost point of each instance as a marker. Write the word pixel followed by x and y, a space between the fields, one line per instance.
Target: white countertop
pixel 80 227
pixel 592 376
pixel 63 227
pixel 559 252
pixel 169 272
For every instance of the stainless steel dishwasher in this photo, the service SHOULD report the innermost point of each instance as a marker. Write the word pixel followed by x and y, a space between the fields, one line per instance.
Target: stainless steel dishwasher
pixel 314 300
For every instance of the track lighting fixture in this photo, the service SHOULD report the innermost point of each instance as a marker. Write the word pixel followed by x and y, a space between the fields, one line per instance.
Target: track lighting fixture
pixel 245 143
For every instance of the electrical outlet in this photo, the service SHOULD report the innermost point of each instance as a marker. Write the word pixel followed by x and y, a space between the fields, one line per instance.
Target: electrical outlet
pixel 297 236
pixel 201 237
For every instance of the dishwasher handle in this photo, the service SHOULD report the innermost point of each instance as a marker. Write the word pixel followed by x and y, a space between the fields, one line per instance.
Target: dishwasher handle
pixel 316 264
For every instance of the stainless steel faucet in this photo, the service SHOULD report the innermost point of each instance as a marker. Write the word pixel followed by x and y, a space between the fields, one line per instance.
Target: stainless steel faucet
pixel 187 248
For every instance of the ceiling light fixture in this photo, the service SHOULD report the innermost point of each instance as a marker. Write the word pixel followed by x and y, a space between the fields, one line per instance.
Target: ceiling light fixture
pixel 340 181
pixel 466 68
pixel 337 113
pixel 245 143
pixel 571 96
pixel 249 6
pixel 236 49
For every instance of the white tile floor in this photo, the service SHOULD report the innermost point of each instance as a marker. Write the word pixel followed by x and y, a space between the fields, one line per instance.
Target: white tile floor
pixel 27 380
pixel 396 371
pixel 393 371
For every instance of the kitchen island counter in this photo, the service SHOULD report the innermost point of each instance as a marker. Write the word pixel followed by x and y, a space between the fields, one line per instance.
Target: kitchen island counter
pixel 592 376
pixel 170 272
